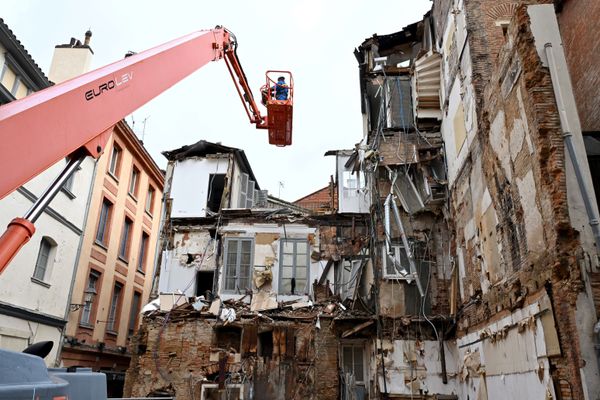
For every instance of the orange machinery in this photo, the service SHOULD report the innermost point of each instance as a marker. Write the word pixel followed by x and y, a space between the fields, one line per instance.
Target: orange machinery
pixel 74 119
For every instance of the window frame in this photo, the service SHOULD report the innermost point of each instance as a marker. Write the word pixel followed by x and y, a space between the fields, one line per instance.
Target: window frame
pixel 353 345
pixel 143 252
pixel 306 289
pixel 88 309
pixel 114 311
pixel 134 312
pixel 125 240
pixel 149 205
pixel 114 162
pixel 226 274
pixel 49 244
pixel 104 240
pixel 134 180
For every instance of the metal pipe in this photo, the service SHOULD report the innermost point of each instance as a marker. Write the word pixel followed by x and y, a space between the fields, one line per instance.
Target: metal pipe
pixel 568 139
pixel 42 202
pixel 409 254
pixel 386 224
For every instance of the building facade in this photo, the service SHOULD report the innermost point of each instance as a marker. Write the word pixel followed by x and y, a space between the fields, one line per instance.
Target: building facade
pixel 117 257
pixel 35 288
pixel 460 256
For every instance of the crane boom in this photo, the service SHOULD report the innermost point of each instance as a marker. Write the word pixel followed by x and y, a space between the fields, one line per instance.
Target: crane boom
pixel 74 119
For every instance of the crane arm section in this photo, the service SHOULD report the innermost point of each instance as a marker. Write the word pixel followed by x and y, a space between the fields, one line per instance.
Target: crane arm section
pixel 45 127
pixel 75 118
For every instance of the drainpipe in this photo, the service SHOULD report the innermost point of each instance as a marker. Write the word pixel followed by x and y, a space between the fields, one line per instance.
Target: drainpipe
pixel 586 191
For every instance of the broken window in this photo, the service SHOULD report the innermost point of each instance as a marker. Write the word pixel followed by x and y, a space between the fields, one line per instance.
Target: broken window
pixel 216 185
pixel 228 337
pixel 293 274
pixel 395 265
pixel 354 371
pixel 265 344
pixel 238 265
pixel 204 282
pixel 347 277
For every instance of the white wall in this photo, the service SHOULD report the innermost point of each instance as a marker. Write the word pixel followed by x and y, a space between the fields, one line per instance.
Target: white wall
pixel 50 297
pixel 16 334
pixel 351 201
pixel 189 189
pixel 514 356
pixel 175 272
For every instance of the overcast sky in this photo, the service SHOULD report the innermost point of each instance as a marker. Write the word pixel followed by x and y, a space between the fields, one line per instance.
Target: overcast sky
pixel 313 39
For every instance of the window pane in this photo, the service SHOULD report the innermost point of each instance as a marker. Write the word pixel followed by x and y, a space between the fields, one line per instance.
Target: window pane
pixel 124 247
pixel 300 286
pixel 287 272
pixel 245 259
pixel 358 364
pixel 301 260
pixel 113 307
pixel 149 199
pixel 288 259
pixel 230 283
pixel 143 251
pixel 135 308
pixel 288 247
pixel 42 261
pixel 301 247
pixel 286 286
pixel 347 359
pixel 301 272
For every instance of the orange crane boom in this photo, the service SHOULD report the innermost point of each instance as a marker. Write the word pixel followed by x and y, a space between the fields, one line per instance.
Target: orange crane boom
pixel 74 119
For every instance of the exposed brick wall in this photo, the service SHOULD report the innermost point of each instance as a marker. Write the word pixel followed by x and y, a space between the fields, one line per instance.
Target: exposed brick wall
pixel 320 200
pixel 504 283
pixel 326 369
pixel 582 47
pixel 177 357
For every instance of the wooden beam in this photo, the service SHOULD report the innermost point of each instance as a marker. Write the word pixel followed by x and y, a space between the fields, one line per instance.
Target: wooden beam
pixel 357 328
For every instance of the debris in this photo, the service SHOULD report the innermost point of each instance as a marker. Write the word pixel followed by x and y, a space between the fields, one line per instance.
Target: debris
pixel 199 304
pixel 262 275
pixel 318 322
pixel 227 315
pixel 215 306
pixel 152 306
pixel 170 300
pixel 302 304
pixel 330 308
pixel 263 301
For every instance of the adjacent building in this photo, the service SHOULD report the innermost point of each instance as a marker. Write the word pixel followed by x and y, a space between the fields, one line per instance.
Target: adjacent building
pixel 35 288
pixel 115 268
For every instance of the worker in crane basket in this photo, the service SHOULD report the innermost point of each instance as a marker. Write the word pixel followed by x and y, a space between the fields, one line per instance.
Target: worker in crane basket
pixel 281 89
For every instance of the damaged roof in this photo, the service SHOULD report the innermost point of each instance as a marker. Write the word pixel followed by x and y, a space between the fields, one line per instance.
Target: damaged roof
pixel 388 43
pixel 204 148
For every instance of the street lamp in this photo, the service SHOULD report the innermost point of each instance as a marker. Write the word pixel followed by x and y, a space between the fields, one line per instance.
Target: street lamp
pixel 88 298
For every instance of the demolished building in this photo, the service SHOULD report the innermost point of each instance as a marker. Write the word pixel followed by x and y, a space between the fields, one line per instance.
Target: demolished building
pixel 453 256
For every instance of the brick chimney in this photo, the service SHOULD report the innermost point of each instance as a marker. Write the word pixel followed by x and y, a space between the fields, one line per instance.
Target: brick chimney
pixel 71 60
